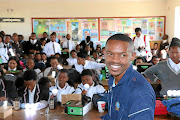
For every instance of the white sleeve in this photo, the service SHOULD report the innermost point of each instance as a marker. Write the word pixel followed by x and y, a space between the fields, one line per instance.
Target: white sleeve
pixel 148 44
pixel 41 104
pixel 100 89
pixel 45 50
pixel 98 65
pixel 78 90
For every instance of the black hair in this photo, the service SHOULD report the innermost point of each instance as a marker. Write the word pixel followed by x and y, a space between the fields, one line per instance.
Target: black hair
pixel 142 58
pixel 43 53
pixel 64 71
pixel 156 43
pixel 88 38
pixel 44 32
pixel 82 55
pixel 86 72
pixel 57 54
pixel 14 58
pixel 43 81
pixel 154 57
pixel 138 30
pixel 29 59
pixel 122 37
pixel 72 51
pixel 8 35
pixel 33 33
pixel 30 75
pixel 53 34
pixel 175 42
pixel 37 54
pixel 60 60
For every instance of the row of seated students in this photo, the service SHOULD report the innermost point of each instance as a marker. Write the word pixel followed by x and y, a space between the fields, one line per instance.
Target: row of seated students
pixel 37 93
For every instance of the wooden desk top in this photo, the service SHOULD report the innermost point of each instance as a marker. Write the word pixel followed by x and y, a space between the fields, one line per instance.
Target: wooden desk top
pixel 58 114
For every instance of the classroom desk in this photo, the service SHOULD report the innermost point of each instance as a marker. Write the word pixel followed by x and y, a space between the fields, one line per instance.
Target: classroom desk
pixel 58 114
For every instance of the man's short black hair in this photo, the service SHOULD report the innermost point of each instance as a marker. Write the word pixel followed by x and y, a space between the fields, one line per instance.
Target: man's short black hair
pixel 37 54
pixel 43 53
pixel 64 71
pixel 138 30
pixel 72 51
pixel 175 42
pixel 87 72
pixel 8 35
pixel 30 75
pixel 33 33
pixel 122 37
pixel 154 57
pixel 88 38
pixel 156 43
pixel 14 58
pixel 82 55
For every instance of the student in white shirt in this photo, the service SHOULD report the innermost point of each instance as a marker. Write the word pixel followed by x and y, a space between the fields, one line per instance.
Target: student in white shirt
pixel 56 65
pixel 68 43
pixel 73 59
pixel 52 47
pixel 141 43
pixel 82 63
pixel 94 88
pixel 33 95
pixel 63 85
pixel 3 52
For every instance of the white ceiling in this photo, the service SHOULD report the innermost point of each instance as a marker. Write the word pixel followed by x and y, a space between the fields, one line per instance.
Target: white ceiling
pixel 75 0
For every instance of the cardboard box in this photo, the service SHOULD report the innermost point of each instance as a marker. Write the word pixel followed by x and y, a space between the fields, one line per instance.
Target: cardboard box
pixel 5 111
pixel 68 97
pixel 76 108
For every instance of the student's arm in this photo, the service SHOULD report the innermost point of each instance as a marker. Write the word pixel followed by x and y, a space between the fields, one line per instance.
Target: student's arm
pixel 151 72
pixel 148 44
pixel 78 90
pixel 98 65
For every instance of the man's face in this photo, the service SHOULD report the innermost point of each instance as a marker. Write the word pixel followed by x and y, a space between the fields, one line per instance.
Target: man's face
pixel 30 64
pixel 174 54
pixel 78 48
pixel 155 46
pixel 138 34
pixel 87 80
pixel 117 57
pixel 155 61
pixel 63 78
pixel 38 57
pixel 80 60
pixel 68 36
pixel 95 55
pixel 53 38
pixel 7 39
pixel 30 84
pixel 44 35
pixel 54 63
pixel 15 37
pixel 12 64
pixel 139 61
pixel 74 55
pixel 33 36
pixel 44 57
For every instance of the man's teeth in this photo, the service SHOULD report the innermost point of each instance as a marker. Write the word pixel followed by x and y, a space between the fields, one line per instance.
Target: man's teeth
pixel 115 66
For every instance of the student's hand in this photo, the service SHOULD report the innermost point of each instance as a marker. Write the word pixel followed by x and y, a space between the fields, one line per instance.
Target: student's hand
pixel 52 96
pixel 2 99
pixel 84 92
pixel 158 81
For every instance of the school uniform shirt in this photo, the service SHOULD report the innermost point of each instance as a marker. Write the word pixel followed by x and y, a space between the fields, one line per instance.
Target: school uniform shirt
pixel 69 44
pixel 93 89
pixel 71 61
pixel 67 89
pixel 31 45
pixel 51 48
pixel 132 98
pixel 39 96
pixel 89 65
pixel 174 66
pixel 4 53
pixel 139 42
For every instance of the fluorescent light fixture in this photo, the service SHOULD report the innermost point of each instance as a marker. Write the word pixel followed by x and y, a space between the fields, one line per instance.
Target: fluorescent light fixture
pixel 11 19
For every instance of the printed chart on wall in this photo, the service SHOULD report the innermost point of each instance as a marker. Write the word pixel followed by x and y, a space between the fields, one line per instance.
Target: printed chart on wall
pixel 153 27
pixel 99 28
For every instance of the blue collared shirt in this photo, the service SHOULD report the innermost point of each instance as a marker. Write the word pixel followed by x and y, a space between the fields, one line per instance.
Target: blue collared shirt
pixel 132 98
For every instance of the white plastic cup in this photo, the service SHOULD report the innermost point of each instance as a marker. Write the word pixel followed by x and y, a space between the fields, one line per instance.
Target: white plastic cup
pixel 101 106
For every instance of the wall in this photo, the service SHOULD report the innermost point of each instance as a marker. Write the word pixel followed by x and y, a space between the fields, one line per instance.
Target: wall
pixel 170 16
pixel 28 10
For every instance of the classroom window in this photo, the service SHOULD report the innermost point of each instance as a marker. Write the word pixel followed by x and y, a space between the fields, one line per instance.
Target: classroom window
pixel 177 22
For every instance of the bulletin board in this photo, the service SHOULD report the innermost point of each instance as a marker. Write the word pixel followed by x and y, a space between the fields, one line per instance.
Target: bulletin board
pixel 100 28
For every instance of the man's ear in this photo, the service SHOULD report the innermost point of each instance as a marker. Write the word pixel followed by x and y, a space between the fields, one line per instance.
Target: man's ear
pixel 133 56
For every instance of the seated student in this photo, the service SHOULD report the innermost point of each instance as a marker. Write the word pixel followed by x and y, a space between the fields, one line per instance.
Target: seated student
pixel 38 63
pixel 73 59
pixel 82 63
pixel 43 58
pixel 155 51
pixel 139 60
pixel 77 48
pixel 88 57
pixel 96 57
pixel 13 64
pixel 43 43
pixel 7 89
pixel 63 85
pixel 37 58
pixel 56 65
pixel 33 95
pixel 31 55
pixel 155 60
pixel 94 88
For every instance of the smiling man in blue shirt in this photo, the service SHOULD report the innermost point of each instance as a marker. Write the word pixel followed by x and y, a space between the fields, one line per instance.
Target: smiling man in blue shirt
pixel 131 97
